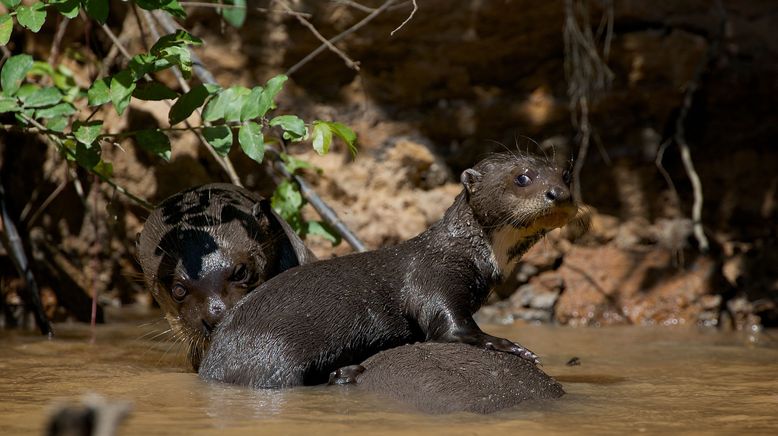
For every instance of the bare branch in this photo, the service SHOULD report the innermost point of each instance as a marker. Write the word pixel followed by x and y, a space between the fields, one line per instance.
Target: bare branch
pixel 349 62
pixel 413 12
pixel 340 36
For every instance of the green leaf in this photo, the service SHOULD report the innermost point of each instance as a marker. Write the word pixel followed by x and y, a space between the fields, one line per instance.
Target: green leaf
pixel 272 88
pixel 294 127
pixel 96 9
pixel 6 27
pixel 235 16
pixel 187 103
pixel 251 141
pixel 13 72
pixel 287 201
pixel 87 132
pixel 8 104
pixel 154 141
pixel 41 68
pixel 346 134
pixel 154 91
pixel 250 109
pixel 322 137
pixel 99 93
pixel 142 64
pixel 228 105
pixel 44 97
pixel 104 168
pixel 235 102
pixel 220 138
pixel 87 156
pixel 10 4
pixel 320 228
pixel 57 124
pixel 179 56
pixel 179 38
pixel 68 8
pixel 62 109
pixel 170 6
pixel 122 86
pixel 32 17
pixel 292 164
pixel 26 90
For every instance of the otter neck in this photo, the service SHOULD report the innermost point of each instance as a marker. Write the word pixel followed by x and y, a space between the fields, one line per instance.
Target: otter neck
pixel 494 248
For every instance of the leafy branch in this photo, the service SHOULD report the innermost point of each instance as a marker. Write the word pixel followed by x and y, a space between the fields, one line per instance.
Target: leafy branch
pixel 225 113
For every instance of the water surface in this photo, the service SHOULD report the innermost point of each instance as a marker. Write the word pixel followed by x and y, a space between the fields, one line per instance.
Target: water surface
pixel 631 379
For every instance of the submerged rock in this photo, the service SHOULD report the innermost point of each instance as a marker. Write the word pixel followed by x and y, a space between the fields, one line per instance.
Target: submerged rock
pixel 450 377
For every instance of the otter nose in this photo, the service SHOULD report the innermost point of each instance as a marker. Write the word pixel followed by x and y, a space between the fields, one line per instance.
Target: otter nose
pixel 213 314
pixel 557 194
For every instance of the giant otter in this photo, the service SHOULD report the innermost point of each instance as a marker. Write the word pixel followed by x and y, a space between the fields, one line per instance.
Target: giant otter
pixel 203 249
pixel 301 325
pixel 445 378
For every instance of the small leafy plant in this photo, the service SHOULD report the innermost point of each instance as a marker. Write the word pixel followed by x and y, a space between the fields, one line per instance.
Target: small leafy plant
pixel 47 99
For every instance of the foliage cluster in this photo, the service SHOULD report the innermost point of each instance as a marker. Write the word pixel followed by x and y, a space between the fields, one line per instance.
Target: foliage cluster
pixel 46 99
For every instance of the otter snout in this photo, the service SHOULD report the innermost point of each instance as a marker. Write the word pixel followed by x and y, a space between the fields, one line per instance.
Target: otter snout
pixel 213 314
pixel 558 194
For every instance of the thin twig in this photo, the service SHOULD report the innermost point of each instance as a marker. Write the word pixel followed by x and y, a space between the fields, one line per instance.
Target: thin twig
pixel 48 200
pixel 413 12
pixel 349 62
pixel 339 36
pixel 660 153
pixel 54 53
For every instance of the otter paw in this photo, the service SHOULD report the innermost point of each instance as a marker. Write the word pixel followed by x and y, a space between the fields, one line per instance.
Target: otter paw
pixel 506 346
pixel 346 375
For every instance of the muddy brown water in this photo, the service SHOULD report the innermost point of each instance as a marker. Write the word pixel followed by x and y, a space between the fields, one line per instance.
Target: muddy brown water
pixel 631 379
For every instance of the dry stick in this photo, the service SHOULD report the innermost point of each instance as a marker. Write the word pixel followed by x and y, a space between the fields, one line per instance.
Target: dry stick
pixel 413 12
pixel 15 248
pixel 95 262
pixel 206 77
pixel 349 62
pixel 327 214
pixel 338 37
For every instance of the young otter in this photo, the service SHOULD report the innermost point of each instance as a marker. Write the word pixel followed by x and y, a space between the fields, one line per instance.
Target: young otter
pixel 446 378
pixel 309 321
pixel 203 249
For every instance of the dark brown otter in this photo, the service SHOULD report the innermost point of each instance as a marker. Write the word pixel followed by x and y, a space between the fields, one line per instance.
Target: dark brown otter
pixel 203 249
pixel 445 378
pixel 298 327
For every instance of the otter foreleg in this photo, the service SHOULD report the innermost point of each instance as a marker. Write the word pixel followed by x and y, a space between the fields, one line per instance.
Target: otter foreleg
pixel 450 327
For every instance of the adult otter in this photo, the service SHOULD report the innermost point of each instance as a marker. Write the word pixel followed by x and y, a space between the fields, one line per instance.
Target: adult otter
pixel 203 249
pixel 445 378
pixel 309 321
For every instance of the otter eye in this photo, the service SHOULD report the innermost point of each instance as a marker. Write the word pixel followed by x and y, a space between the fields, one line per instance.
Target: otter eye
pixel 178 292
pixel 523 180
pixel 567 177
pixel 240 273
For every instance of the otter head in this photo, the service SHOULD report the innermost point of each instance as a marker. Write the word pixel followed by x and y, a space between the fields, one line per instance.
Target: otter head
pixel 517 199
pixel 204 249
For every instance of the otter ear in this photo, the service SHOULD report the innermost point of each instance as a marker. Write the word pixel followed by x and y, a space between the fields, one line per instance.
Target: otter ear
pixel 470 178
pixel 292 250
